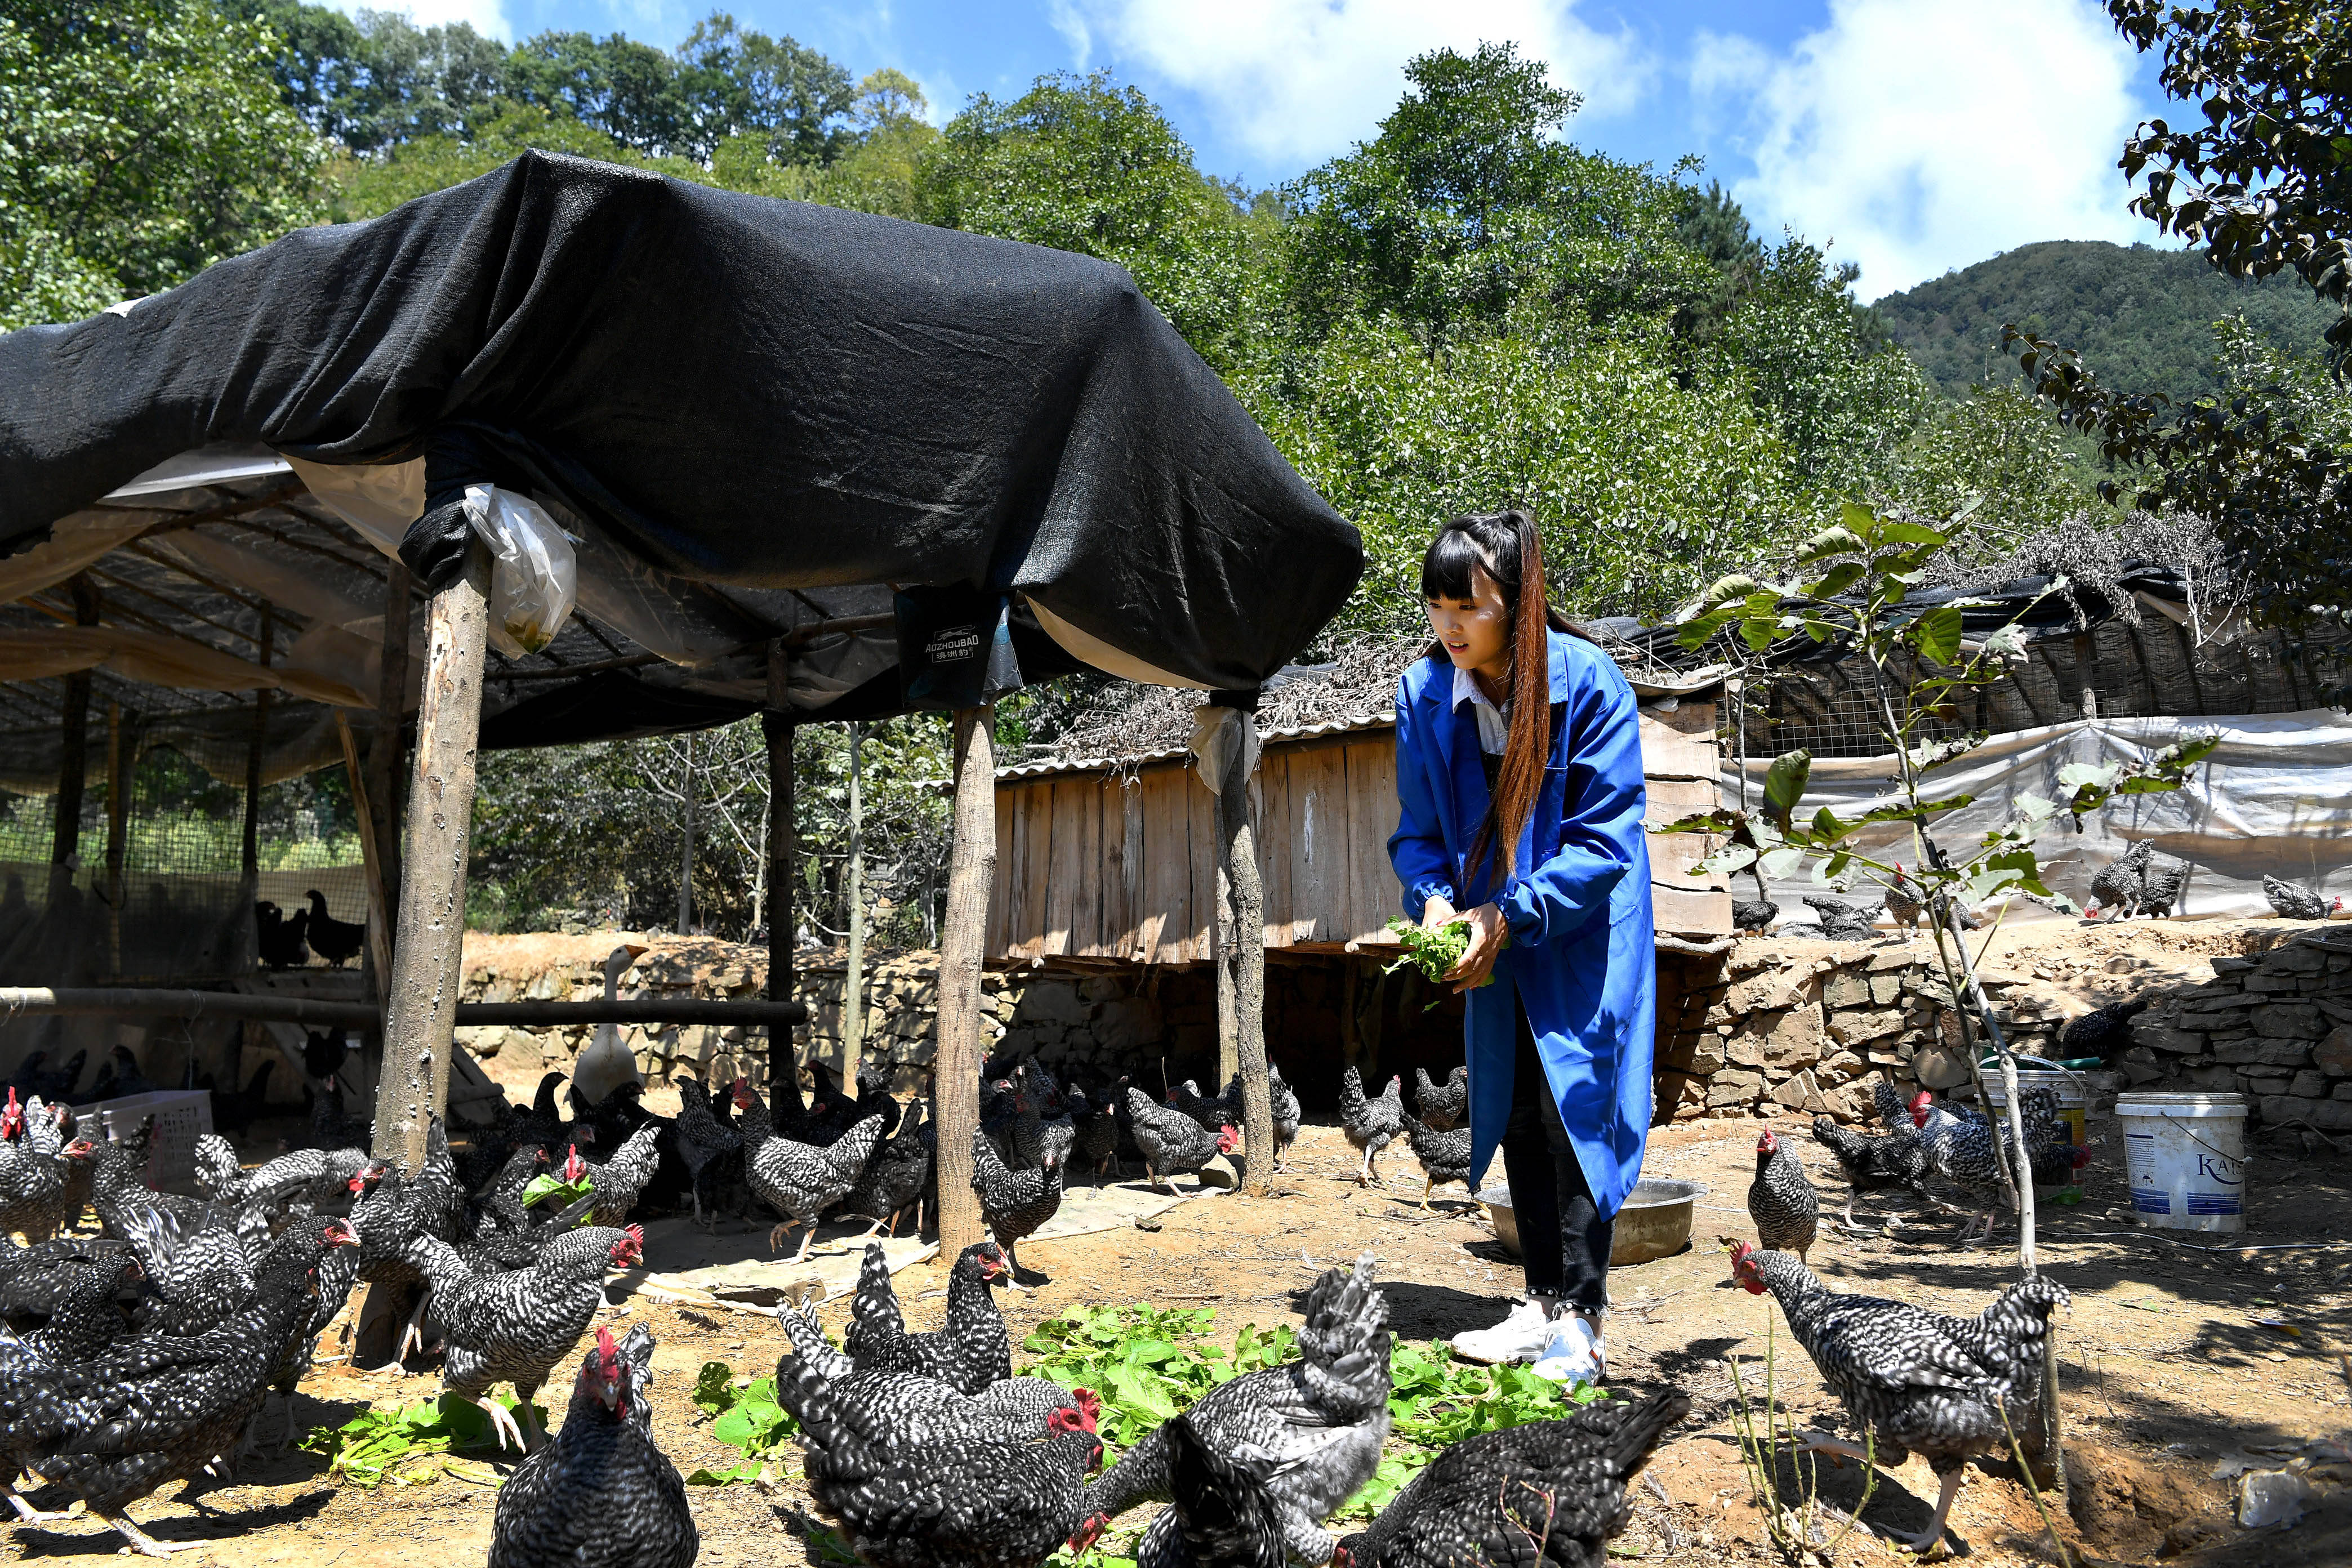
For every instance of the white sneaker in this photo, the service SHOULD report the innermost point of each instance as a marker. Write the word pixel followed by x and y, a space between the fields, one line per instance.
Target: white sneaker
pixel 1574 1352
pixel 1522 1336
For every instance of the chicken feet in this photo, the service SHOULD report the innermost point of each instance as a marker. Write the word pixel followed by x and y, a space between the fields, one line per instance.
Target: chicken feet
pixel 502 1421
pixel 25 1512
pixel 143 1543
pixel 808 1239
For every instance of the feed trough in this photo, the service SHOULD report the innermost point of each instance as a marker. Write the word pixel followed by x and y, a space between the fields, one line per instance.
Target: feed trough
pixel 1655 1222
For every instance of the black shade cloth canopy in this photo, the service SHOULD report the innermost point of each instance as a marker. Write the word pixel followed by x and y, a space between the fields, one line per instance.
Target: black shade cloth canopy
pixel 737 392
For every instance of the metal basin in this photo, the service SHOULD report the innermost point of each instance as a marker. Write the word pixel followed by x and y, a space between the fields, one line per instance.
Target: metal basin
pixel 1655 1222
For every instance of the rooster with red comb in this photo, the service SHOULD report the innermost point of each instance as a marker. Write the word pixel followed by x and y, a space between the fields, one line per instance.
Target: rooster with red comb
pixel 599 1494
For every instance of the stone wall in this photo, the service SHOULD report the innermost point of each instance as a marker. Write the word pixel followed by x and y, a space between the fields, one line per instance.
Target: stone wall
pixel 2276 1027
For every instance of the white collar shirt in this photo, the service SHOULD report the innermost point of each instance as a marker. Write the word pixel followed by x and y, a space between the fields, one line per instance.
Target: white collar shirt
pixel 1494 724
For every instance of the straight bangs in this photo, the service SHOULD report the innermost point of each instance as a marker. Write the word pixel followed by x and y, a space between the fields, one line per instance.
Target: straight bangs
pixel 1447 567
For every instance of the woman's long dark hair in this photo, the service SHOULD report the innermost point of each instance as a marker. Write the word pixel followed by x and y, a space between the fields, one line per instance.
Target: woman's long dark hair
pixel 1506 547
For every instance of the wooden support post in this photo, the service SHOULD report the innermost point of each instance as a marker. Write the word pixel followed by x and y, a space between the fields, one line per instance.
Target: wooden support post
pixel 249 857
pixel 379 945
pixel 971 872
pixel 384 745
pixel 117 825
pixel 73 761
pixel 428 952
pixel 1241 968
pixel 783 861
pixel 853 981
pixel 685 859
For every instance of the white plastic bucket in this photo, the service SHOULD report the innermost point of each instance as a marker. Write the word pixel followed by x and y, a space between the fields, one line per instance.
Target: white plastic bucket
pixel 2073 1096
pixel 181 1116
pixel 2186 1158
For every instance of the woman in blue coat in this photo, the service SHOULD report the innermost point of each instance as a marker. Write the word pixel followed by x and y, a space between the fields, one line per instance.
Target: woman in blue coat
pixel 1521 802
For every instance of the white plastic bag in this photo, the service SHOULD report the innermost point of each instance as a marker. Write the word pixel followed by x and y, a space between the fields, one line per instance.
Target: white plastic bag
pixel 534 575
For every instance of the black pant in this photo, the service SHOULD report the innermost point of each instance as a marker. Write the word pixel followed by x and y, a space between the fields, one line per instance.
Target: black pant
pixel 1564 1240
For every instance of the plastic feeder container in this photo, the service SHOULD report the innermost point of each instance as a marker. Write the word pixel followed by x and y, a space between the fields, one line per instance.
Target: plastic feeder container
pixel 1655 1222
pixel 2185 1153
pixel 181 1116
pixel 2073 1096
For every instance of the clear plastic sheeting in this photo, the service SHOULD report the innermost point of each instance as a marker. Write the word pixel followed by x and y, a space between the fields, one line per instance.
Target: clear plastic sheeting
pixel 657 612
pixel 32 653
pixel 281 579
pixel 2274 799
pixel 379 500
pixel 534 576
pixel 1217 732
pixel 72 544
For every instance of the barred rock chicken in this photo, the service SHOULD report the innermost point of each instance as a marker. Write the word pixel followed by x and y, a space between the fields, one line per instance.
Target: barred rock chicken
pixel 118 1185
pixel 219 1174
pixel 1973 1153
pixel 35 1280
pixel 894 1179
pixel 1224 1516
pixel 1876 1164
pixel 83 1311
pixel 1549 1491
pixel 1917 1381
pixel 330 1125
pixel 801 1181
pixel 619 1180
pixel 1096 1133
pixel 1442 1108
pixel 924 1409
pixel 1285 1112
pixel 45 1178
pixel 1212 1113
pixel 513 1327
pixel 198 1268
pixel 2294 902
pixel 1753 914
pixel 1310 1432
pixel 2105 1031
pixel 1445 1156
pixel 1015 1203
pixel 965 1501
pixel 400 1211
pixel 1780 1200
pixel 1173 1143
pixel 969 1354
pixel 703 1144
pixel 1042 1123
pixel 2139 880
pixel 1907 900
pixel 151 1410
pixel 1371 1125
pixel 1841 920
pixel 2161 885
pixel 602 1494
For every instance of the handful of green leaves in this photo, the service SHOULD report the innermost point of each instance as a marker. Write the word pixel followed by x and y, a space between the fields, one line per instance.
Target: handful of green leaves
pixel 546 1185
pixel 1433 952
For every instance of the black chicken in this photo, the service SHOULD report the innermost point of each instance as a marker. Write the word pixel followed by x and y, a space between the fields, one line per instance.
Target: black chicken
pixel 1780 1200
pixel 602 1494
pixel 1224 1516
pixel 969 1354
pixel 1753 914
pixel 1015 1203
pixel 1876 1164
pixel 279 936
pixel 1548 1491
pixel 153 1410
pixel 34 1080
pixel 894 1177
pixel 119 1077
pixel 1442 1108
pixel 337 942
pixel 234 1109
pixel 1946 1388
pixel 324 1051
pixel 1096 1133
pixel 960 1502
pixel 1841 920
pixel 2104 1032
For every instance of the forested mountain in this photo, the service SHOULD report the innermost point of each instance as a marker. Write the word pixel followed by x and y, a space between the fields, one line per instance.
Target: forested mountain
pixel 2143 318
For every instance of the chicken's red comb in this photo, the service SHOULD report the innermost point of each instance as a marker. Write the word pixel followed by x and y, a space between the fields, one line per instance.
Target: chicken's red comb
pixel 605 1346
pixel 637 1233
pixel 1765 1143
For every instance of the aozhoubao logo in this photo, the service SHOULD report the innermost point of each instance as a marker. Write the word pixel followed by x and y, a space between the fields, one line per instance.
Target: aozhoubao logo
pixel 953 646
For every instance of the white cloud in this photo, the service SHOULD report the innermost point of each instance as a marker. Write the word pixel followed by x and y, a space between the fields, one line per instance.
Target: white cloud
pixel 487 16
pixel 1918 137
pixel 1296 82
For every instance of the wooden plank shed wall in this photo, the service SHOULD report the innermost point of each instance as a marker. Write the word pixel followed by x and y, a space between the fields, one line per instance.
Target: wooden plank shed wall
pixel 1092 865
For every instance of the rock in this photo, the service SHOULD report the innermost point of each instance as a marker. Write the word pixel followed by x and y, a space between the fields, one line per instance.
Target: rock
pixel 2309 1085
pixel 2297 1020
pixel 2209 1018
pixel 2160 1036
pixel 1940 1068
pixel 1220 1173
pixel 1886 989
pixel 1802 1093
pixel 1796 1039
pixel 2233 965
pixel 1846 988
pixel 2263 983
pixel 2295 958
pixel 1733 1088
pixel 1745 1048
pixel 1051 1002
pixel 1849 1027
pixel 1099 987
pixel 1127 1025
pixel 2327 1115
pixel 2333 1055
pixel 2262 1051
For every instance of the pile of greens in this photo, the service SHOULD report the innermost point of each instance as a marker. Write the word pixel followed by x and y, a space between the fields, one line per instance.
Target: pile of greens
pixel 413 1445
pixel 748 1418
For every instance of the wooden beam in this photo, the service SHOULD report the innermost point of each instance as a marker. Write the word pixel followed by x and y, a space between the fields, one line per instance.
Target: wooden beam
pixel 1243 968
pixel 64 841
pixel 428 953
pixel 379 949
pixel 183 1004
pixel 249 860
pixel 972 869
pixel 116 825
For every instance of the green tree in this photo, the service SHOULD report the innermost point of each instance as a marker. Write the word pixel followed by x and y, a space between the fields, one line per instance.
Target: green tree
pixel 140 142
pixel 377 80
pixel 1999 447
pixel 1079 164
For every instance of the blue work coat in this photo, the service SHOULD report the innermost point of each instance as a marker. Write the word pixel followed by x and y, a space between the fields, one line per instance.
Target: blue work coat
pixel 1581 958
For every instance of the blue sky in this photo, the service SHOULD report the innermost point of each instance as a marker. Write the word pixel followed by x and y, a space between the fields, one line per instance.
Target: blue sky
pixel 1916 137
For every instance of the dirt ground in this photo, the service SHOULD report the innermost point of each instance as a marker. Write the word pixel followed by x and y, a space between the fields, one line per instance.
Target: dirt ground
pixel 2168 1362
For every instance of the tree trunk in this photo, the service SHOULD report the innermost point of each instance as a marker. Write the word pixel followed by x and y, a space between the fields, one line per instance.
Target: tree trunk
pixel 429 958
pixel 971 872
pixel 385 746
pixel 784 913
pixel 686 857
pixel 853 988
pixel 1243 971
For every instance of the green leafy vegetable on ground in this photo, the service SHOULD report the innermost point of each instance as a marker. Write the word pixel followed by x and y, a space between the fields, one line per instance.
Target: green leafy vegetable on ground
pixel 548 1186
pixel 748 1418
pixel 377 1445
